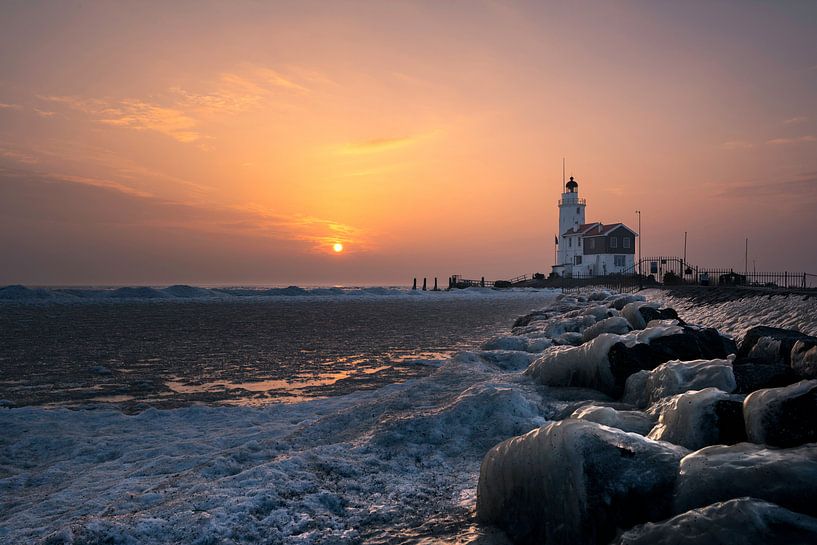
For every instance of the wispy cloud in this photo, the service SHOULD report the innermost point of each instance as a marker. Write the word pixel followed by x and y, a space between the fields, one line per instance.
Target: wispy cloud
pixel 794 140
pixel 737 144
pixel 7 106
pixel 801 186
pixel 795 120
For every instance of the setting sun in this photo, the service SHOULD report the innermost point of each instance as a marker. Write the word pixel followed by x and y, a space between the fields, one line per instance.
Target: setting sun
pixel 338 247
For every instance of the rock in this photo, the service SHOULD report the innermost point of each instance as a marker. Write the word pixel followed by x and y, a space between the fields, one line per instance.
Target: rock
pixel 676 377
pixel 6 404
pixel 631 421
pixel 650 313
pixel 786 477
pixel 751 375
pixel 632 311
pixel 619 302
pixel 690 343
pixel 600 312
pixel 698 419
pixel 782 417
pixel 617 325
pixel 571 338
pixel 771 344
pixel 511 342
pixel 509 360
pixel 575 482
pixel 528 318
pixel 804 358
pixel 734 522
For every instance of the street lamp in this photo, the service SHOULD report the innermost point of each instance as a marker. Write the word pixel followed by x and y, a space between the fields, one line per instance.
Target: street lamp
pixel 640 257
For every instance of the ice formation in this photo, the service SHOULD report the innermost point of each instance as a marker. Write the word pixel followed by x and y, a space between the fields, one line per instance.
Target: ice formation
pixel 674 377
pixel 782 417
pixel 697 419
pixel 631 421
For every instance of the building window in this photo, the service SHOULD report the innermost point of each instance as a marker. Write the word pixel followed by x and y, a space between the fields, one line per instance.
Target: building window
pixel 592 243
pixel 626 242
pixel 580 241
pixel 570 242
pixel 618 260
pixel 613 242
pixel 578 210
pixel 577 260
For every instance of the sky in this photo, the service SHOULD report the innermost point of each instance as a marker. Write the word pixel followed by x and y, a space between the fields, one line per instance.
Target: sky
pixel 236 142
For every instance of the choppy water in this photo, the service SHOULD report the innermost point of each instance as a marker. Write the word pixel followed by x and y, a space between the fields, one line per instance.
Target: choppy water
pixel 249 352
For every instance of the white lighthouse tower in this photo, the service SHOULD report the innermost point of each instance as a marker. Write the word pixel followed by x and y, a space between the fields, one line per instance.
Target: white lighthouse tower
pixel 571 216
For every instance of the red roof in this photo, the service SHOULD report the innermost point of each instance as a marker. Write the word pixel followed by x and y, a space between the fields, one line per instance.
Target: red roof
pixel 596 229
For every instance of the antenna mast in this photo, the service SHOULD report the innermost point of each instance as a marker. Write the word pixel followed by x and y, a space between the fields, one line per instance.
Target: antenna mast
pixel 563 174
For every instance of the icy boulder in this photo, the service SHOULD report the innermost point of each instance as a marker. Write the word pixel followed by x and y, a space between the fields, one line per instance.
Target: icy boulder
pixel 675 377
pixel 509 360
pixel 734 522
pixel 804 358
pixel 575 482
pixel 631 421
pixel 782 417
pixel 787 477
pixel 632 311
pixel 771 344
pixel 583 366
pixel 600 312
pixel 616 324
pixel 698 419
pixel 512 342
pixel 618 302
pixel 751 375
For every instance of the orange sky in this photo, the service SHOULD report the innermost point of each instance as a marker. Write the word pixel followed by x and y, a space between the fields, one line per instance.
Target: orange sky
pixel 236 142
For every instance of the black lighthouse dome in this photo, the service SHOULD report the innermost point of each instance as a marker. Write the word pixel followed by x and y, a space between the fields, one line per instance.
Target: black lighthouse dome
pixel 572 185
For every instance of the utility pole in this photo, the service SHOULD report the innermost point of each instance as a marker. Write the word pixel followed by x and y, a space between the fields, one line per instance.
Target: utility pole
pixel 746 259
pixel 640 257
pixel 685 248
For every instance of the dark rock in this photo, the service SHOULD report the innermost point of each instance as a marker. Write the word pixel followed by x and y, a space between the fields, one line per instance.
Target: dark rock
pixel 651 313
pixel 777 346
pixel 734 522
pixel 697 419
pixel 729 421
pixel 783 417
pixel 694 343
pixel 751 375
pixel 528 318
pixel 787 477
pixel 575 482
pixel 804 358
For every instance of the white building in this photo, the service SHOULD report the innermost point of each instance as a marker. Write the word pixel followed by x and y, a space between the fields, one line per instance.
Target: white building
pixel 590 248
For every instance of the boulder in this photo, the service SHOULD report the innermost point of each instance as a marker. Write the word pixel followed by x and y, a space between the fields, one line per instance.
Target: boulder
pixel 771 344
pixel 688 343
pixel 632 311
pixel 698 419
pixel 620 301
pixel 616 324
pixel 782 417
pixel 650 313
pixel 804 358
pixel 509 360
pixel 734 522
pixel 575 482
pixel 751 375
pixel 787 477
pixel 600 312
pixel 631 421
pixel 676 377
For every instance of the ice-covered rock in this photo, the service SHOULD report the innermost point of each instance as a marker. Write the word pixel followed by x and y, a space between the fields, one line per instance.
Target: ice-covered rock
pixel 632 311
pixel 751 375
pixel 631 421
pixel 782 417
pixel 509 360
pixel 771 344
pixel 734 522
pixel 575 482
pixel 804 358
pixel 675 377
pixel 616 324
pixel 698 419
pixel 787 477
pixel 571 338
pixel 508 342
pixel 600 312
pixel 618 302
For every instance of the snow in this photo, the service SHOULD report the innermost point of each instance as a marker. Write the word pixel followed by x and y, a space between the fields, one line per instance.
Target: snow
pixel 674 377
pixel 735 317
pixel 787 477
pixel 734 522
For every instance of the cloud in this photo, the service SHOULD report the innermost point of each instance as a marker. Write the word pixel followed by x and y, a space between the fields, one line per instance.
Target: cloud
pixel 33 196
pixel 801 186
pixel 376 145
pixel 795 140
pixel 135 114
pixel 737 144
pixel 795 120
pixel 7 106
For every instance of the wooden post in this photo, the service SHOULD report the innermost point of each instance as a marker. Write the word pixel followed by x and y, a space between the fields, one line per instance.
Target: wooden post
pixel 786 279
pixel 482 282
pixel 435 284
pixel 424 284
pixel 414 285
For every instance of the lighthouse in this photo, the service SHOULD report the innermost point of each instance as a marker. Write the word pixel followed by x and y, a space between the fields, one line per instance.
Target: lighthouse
pixel 571 216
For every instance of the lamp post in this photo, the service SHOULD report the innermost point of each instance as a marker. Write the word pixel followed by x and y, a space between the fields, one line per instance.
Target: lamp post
pixel 639 242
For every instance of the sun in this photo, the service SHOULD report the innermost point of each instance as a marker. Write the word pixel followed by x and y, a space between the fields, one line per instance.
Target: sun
pixel 338 247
